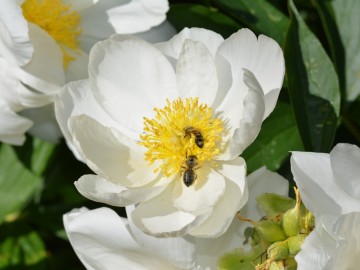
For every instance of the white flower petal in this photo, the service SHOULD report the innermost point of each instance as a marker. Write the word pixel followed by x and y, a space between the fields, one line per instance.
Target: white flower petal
pixel 201 196
pixel 110 153
pixel 46 66
pixel 12 126
pixel 80 5
pixel 138 15
pixel 77 69
pixel 45 126
pixel 159 33
pixel 143 83
pixel 318 188
pixel 178 250
pixel 346 254
pixel 121 16
pixel 15 45
pixel 247 119
pixel 101 241
pixel 196 72
pixel 15 94
pixel 173 47
pixel 345 160
pixel 99 189
pixel 159 217
pixel 262 56
pixel 234 198
pixel 260 181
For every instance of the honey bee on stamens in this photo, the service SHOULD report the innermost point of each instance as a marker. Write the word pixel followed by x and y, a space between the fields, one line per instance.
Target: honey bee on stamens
pixel 191 164
pixel 199 139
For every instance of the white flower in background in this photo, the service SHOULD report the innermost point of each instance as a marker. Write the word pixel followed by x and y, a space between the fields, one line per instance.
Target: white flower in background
pixel 44 44
pixel 329 185
pixel 164 129
pixel 104 241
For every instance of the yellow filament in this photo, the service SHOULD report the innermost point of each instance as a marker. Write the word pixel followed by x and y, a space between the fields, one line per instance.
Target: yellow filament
pixel 58 21
pixel 165 138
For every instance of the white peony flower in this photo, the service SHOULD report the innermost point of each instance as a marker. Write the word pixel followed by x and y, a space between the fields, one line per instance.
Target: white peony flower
pixel 103 241
pixel 164 129
pixel 44 44
pixel 329 185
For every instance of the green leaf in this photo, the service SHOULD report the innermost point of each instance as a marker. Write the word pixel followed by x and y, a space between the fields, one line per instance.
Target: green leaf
pixel 313 85
pixel 191 15
pixel 17 183
pixel 36 154
pixel 278 135
pixel 25 249
pixel 259 15
pixel 272 203
pixel 331 30
pixel 341 19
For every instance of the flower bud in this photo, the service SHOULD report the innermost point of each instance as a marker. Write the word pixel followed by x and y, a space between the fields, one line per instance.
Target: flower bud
pixel 291 219
pixel 295 242
pixel 270 231
pixel 278 250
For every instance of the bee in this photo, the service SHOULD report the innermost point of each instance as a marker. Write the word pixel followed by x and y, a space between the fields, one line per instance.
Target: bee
pixel 199 139
pixel 191 164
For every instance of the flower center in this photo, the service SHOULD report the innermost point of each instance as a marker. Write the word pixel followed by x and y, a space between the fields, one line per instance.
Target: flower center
pixel 58 21
pixel 183 135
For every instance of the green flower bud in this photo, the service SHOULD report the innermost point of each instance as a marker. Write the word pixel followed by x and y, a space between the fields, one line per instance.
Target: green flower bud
pixel 295 243
pixel 290 263
pixel 278 250
pixel 277 266
pixel 270 231
pixel 291 219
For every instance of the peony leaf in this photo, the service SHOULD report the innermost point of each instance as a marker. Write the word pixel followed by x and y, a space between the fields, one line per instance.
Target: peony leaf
pixel 341 20
pixel 278 134
pixel 260 16
pixel 24 249
pixel 17 183
pixel 313 85
pixel 191 15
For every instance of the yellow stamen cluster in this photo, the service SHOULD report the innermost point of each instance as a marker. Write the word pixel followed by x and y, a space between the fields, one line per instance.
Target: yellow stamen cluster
pixel 166 140
pixel 58 21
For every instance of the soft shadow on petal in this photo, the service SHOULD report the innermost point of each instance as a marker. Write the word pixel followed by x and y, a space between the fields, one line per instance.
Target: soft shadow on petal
pixel 159 217
pixel 201 196
pixel 12 126
pixel 102 242
pixel 129 78
pixel 196 72
pixel 80 5
pixel 173 47
pixel 346 254
pixel 262 56
pixel 99 189
pixel 78 68
pixel 46 66
pixel 110 153
pixel 345 161
pixel 318 188
pixel 246 119
pixel 15 44
pixel 233 199
pixel 160 33
pixel 45 126
pixel 178 250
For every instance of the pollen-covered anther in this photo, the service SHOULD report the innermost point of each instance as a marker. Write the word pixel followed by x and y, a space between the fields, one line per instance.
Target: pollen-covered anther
pixel 57 19
pixel 181 129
